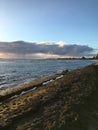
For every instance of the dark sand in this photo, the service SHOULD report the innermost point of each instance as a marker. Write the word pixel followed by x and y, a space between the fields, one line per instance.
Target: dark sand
pixel 67 103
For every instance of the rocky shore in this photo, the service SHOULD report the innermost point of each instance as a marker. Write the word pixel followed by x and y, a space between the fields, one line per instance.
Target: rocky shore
pixel 54 102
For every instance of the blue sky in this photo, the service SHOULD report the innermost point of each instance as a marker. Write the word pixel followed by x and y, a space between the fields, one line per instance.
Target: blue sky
pixel 71 21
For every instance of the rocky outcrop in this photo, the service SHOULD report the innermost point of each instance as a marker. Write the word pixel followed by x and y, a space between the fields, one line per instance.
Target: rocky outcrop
pixel 52 104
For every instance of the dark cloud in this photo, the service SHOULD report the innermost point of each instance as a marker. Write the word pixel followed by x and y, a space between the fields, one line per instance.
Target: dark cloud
pixel 26 48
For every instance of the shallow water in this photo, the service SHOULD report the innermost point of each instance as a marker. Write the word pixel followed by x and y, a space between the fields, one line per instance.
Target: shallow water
pixel 16 71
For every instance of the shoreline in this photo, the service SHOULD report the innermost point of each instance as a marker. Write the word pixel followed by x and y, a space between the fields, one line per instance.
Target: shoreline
pixel 50 106
pixel 25 87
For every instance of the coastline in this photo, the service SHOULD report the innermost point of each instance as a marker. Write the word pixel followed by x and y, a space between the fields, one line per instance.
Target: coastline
pixel 25 87
pixel 51 104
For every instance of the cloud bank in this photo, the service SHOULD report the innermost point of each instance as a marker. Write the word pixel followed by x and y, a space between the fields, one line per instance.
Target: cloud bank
pixel 21 49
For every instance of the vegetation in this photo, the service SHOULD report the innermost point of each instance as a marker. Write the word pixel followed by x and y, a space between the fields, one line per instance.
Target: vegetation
pixel 96 56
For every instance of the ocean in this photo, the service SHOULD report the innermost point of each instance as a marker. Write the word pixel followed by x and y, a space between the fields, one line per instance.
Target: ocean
pixel 13 72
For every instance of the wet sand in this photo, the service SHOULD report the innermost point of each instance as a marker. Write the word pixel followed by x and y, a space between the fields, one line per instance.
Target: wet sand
pixel 52 105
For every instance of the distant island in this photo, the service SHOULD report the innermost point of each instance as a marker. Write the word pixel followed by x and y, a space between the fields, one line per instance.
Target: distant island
pixel 80 58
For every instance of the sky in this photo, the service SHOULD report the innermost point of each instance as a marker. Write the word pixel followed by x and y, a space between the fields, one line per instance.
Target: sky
pixel 68 22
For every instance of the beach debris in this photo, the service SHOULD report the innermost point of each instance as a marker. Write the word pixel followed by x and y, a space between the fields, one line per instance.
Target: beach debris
pixel 44 83
pixel 24 92
pixel 59 77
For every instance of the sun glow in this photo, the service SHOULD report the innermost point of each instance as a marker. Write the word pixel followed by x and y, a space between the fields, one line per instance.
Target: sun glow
pixel 61 44
pixel 9 56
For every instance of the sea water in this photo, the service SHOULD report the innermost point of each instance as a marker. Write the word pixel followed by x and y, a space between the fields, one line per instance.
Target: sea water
pixel 13 72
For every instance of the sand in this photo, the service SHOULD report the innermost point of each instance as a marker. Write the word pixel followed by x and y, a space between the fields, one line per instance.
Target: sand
pixel 53 104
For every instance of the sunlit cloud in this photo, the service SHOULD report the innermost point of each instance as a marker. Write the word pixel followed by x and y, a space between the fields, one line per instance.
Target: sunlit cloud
pixel 61 44
pixel 20 49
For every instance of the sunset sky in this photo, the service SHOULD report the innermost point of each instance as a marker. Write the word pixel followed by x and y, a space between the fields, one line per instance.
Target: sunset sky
pixel 56 22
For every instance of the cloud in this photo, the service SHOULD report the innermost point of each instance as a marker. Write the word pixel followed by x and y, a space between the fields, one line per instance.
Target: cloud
pixel 21 49
pixel 61 44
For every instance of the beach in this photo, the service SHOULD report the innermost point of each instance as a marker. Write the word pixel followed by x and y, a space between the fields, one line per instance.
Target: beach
pixel 53 102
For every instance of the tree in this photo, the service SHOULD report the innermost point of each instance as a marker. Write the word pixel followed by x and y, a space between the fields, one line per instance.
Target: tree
pixel 96 56
pixel 83 58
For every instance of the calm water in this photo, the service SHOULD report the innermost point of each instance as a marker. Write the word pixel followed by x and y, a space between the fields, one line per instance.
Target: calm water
pixel 16 71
